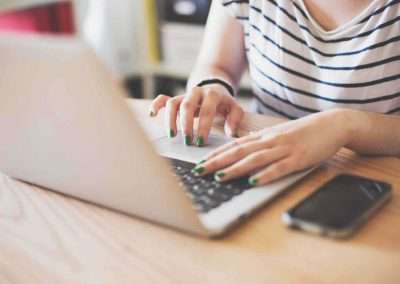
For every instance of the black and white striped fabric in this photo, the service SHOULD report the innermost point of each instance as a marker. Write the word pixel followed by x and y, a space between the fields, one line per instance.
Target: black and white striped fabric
pixel 298 68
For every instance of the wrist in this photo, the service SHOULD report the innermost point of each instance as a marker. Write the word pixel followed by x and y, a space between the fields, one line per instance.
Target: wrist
pixel 216 88
pixel 351 124
pixel 219 82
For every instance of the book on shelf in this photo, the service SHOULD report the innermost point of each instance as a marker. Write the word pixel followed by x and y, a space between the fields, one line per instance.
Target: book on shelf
pixel 152 31
pixel 38 17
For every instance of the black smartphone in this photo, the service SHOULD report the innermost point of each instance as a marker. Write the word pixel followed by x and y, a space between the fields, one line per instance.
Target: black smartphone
pixel 339 206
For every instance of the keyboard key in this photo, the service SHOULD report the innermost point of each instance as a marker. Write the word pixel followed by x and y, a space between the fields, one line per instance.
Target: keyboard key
pixel 205 192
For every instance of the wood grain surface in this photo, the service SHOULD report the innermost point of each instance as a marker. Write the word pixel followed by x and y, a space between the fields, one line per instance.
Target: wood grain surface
pixel 50 238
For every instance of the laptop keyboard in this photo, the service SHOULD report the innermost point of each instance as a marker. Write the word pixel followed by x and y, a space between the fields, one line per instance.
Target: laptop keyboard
pixel 205 192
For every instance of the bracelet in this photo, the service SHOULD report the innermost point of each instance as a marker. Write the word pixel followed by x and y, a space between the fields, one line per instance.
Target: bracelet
pixel 227 86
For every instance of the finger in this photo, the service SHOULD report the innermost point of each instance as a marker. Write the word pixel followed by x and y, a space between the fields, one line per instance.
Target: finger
pixel 171 114
pixel 189 106
pixel 229 157
pixel 251 162
pixel 233 120
pixel 157 104
pixel 207 113
pixel 230 145
pixel 274 171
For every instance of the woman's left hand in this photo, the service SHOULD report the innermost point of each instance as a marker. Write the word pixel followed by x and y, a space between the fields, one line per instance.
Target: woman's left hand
pixel 280 150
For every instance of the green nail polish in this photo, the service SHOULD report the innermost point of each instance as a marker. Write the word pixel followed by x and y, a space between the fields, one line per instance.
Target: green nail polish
pixel 188 140
pixel 253 181
pixel 200 141
pixel 219 175
pixel 171 133
pixel 152 113
pixel 201 162
pixel 198 170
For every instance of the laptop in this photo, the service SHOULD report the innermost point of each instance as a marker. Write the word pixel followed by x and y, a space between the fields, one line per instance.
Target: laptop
pixel 66 126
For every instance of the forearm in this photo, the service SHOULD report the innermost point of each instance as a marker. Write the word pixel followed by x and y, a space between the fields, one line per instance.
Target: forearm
pixel 372 133
pixel 222 54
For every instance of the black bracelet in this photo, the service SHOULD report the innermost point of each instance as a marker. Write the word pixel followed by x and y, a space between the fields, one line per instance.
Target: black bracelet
pixel 227 86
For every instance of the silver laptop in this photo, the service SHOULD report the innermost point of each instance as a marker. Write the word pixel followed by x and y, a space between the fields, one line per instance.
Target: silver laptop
pixel 65 126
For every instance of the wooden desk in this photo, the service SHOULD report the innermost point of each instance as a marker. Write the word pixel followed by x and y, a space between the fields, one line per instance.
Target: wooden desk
pixel 49 238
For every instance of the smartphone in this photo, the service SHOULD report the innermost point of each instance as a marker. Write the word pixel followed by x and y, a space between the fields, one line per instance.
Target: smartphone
pixel 339 206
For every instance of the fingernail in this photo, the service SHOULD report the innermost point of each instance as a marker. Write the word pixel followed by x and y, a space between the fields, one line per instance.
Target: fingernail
pixel 171 133
pixel 219 175
pixel 198 170
pixel 188 140
pixel 201 162
pixel 152 113
pixel 200 141
pixel 253 181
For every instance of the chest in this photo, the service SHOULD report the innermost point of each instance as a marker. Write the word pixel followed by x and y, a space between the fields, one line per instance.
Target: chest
pixel 332 14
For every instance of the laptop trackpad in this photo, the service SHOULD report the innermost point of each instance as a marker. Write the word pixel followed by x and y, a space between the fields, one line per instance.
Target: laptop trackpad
pixel 175 147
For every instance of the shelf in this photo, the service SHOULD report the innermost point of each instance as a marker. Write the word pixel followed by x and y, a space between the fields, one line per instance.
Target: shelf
pixel 183 72
pixel 6 5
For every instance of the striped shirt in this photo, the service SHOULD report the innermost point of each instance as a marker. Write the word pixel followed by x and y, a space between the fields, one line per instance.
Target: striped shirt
pixel 298 68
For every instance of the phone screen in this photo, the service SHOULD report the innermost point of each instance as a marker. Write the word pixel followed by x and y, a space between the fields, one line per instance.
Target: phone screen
pixel 341 202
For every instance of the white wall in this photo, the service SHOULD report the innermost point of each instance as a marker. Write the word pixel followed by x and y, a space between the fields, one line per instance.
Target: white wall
pixel 114 29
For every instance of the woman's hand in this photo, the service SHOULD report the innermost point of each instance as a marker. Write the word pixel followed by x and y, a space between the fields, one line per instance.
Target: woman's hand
pixel 205 102
pixel 280 150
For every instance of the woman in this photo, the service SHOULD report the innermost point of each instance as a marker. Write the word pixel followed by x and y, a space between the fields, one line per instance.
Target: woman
pixel 333 66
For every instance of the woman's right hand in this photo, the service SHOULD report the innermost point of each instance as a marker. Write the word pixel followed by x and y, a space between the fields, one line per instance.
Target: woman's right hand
pixel 205 102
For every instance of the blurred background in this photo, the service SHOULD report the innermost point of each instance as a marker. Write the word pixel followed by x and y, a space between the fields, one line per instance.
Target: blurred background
pixel 150 45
